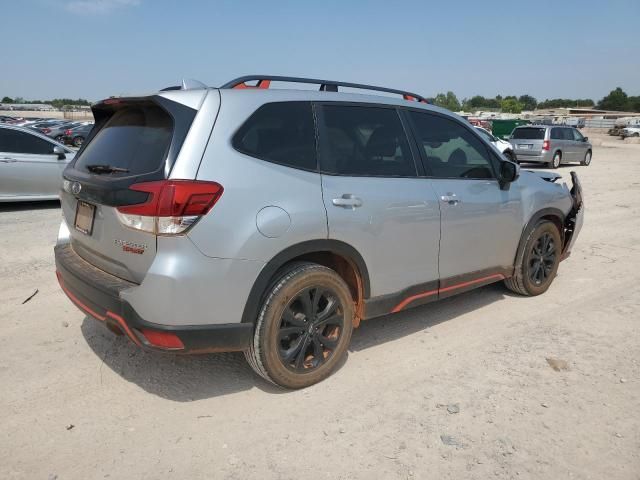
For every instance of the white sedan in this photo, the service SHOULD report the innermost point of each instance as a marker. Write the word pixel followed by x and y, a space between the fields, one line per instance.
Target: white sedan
pixel 631 131
pixel 502 145
pixel 31 165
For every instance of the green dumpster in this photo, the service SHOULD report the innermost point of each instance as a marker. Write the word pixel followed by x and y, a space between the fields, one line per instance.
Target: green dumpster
pixel 503 128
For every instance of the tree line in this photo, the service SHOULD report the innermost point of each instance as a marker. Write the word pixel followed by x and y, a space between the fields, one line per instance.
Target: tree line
pixel 56 102
pixel 616 100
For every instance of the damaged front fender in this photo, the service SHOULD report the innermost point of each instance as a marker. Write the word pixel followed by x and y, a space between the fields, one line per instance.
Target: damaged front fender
pixel 575 219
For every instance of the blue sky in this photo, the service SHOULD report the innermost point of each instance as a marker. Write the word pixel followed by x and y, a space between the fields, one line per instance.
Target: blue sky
pixel 98 48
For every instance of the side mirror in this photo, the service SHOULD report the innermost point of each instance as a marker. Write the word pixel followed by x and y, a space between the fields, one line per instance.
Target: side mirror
pixel 585 139
pixel 60 152
pixel 509 172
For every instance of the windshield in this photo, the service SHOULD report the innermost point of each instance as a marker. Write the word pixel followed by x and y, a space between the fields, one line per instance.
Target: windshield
pixel 486 135
pixel 528 133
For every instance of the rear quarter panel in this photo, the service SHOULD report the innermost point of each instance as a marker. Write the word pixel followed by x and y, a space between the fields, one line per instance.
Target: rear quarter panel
pixel 251 185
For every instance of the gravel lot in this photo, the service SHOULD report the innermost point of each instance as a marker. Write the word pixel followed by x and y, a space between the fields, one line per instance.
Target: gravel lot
pixel 457 389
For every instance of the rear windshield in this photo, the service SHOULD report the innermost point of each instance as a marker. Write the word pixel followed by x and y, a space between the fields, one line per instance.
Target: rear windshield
pixel 136 138
pixel 529 133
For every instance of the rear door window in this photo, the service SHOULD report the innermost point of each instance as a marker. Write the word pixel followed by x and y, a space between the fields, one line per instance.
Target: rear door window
pixel 567 134
pixel 14 141
pixel 528 133
pixel 364 141
pixel 282 132
pixel 450 149
pixel 135 137
pixel 556 134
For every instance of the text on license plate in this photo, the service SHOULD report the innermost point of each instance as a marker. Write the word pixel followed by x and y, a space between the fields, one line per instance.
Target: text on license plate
pixel 84 217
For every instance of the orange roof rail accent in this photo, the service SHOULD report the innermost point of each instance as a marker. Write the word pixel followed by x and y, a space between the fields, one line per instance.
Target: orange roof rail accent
pixel 264 81
pixel 263 84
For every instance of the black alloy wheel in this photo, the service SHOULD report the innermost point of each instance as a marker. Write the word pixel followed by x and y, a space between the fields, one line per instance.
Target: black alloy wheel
pixel 310 329
pixel 542 259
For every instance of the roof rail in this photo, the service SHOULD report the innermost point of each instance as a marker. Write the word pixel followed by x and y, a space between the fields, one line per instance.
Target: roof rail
pixel 264 81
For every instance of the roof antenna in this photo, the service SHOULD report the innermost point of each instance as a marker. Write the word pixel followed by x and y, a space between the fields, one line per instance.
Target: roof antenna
pixel 190 84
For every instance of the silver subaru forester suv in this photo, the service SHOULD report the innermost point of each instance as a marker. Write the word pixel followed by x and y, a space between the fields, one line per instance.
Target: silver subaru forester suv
pixel 273 221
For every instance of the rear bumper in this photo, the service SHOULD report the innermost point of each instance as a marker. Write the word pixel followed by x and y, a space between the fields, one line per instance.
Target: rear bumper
pixel 97 294
pixel 524 158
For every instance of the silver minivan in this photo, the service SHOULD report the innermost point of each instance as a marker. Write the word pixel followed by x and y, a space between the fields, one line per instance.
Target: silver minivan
pixel 552 145
pixel 274 220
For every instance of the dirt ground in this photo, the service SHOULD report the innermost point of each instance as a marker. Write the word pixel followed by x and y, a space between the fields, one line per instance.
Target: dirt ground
pixel 457 389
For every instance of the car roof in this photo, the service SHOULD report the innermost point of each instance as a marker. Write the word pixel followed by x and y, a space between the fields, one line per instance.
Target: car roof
pixel 191 92
pixel 535 125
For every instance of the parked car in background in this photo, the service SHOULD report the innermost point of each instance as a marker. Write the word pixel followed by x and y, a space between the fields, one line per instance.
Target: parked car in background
pixel 552 145
pixel 44 124
pixel 574 122
pixel 630 132
pixel 76 136
pixel 57 132
pixel 320 208
pixel 31 165
pixel 502 145
pixel 616 131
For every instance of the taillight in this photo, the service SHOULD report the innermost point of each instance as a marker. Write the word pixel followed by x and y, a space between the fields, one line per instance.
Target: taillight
pixel 45 130
pixel 67 132
pixel 546 145
pixel 171 207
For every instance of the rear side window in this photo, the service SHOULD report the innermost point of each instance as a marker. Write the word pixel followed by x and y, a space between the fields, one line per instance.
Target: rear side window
pixel 13 141
pixel 556 134
pixel 364 141
pixel 281 133
pixel 450 149
pixel 528 133
pixel 136 137
pixel 567 134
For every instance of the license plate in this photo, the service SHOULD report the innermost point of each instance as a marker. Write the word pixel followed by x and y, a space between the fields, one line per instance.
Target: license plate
pixel 524 146
pixel 84 217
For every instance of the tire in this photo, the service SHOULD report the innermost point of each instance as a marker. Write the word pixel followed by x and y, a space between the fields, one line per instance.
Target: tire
pixel 59 139
pixel 78 141
pixel 636 134
pixel 296 343
pixel 527 279
pixel 555 161
pixel 587 159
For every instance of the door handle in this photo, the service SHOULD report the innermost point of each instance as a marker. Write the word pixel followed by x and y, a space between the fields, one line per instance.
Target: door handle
pixel 347 201
pixel 450 198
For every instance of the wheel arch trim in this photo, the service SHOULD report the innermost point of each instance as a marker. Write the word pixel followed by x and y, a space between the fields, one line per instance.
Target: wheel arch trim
pixel 342 249
pixel 535 218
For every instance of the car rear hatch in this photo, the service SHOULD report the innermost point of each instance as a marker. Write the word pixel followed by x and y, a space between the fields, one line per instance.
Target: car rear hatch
pixel 528 140
pixel 135 141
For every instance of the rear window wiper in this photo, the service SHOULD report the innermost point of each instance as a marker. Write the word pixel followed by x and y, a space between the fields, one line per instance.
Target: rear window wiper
pixel 106 169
